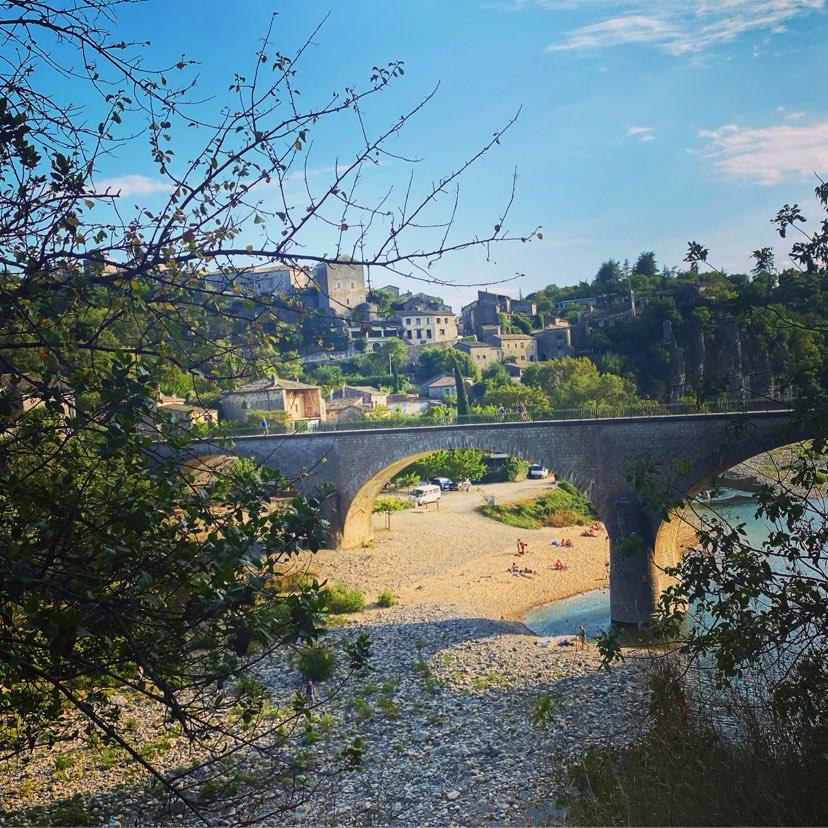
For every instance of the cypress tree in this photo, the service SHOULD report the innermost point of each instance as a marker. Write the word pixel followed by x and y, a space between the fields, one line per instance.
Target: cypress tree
pixel 462 396
pixel 395 374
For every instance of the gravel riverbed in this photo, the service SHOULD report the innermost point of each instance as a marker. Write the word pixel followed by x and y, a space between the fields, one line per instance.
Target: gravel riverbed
pixel 459 746
pixel 447 714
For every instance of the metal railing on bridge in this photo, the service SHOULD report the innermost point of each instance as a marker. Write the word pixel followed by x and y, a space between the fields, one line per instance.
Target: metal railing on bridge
pixel 645 409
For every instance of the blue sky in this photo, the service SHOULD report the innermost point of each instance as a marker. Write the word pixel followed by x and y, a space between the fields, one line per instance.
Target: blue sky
pixel 644 123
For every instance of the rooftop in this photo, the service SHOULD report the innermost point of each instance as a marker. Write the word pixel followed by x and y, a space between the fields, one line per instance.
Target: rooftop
pixel 475 344
pixel 440 379
pixel 273 383
pixel 398 398
pixel 419 312
pixel 363 389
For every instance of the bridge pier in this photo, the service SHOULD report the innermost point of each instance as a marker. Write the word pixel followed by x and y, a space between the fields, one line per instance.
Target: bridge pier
pixel 634 576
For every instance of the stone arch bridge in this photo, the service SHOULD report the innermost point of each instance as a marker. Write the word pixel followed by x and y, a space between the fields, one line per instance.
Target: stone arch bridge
pixel 594 454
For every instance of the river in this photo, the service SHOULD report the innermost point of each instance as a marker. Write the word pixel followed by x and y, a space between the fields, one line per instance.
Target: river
pixel 591 609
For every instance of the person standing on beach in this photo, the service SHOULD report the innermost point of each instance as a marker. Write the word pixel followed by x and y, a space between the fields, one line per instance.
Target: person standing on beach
pixel 581 637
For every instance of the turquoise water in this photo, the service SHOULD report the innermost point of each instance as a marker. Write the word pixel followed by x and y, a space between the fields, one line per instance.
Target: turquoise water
pixel 563 617
pixel 592 608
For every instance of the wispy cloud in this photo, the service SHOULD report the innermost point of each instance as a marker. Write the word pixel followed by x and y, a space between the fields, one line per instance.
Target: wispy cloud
pixel 131 185
pixel 677 27
pixel 642 133
pixel 770 154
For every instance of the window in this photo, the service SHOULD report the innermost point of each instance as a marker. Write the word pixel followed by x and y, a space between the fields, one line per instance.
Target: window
pixel 428 333
pixel 408 321
pixel 353 286
pixel 438 320
pixel 339 285
pixel 418 320
pixel 408 334
pixel 419 334
pixel 442 331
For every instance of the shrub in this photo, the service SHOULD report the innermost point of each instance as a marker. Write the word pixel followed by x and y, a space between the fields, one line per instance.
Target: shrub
pixel 64 761
pixel 277 421
pixel 406 480
pixel 562 506
pixel 390 709
pixel 388 505
pixel 685 771
pixel 340 599
pixel 316 662
pixel 386 598
pixel 516 469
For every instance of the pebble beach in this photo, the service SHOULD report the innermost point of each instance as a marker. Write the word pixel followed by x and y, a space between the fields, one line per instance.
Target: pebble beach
pixel 447 714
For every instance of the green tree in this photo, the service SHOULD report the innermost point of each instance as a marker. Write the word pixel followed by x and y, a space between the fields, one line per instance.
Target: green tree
pixel 575 382
pixel 435 361
pixel 387 506
pixel 646 265
pixel 462 395
pixel 328 376
pixel 393 352
pixel 511 396
pixel 521 323
pixel 458 464
pixel 609 278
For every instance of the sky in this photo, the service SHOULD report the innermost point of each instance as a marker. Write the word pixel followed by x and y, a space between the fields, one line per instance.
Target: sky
pixel 643 123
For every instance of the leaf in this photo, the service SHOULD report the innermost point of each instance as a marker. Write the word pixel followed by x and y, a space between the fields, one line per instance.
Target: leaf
pixel 298 145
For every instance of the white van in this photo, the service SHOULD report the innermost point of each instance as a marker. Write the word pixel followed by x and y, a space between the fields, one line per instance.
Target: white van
pixel 425 493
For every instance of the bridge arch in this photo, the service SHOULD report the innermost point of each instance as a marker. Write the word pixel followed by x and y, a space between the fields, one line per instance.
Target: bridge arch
pixel 357 525
pixel 633 591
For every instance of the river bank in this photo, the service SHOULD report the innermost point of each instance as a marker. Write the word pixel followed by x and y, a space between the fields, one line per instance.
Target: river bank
pixel 459 558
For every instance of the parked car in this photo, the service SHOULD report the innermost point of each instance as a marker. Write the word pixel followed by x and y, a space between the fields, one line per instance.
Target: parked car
pixel 446 484
pixel 425 493
pixel 537 472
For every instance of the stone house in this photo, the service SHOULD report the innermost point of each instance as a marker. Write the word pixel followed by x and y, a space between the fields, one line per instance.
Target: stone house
pixel 184 414
pixel 408 404
pixel 340 287
pixel 554 341
pixel 488 308
pixel 345 410
pixel 427 327
pixel 264 280
pixel 365 394
pixel 441 386
pixel 483 354
pixel 300 401
pixel 517 348
pixel 514 371
pixel 24 395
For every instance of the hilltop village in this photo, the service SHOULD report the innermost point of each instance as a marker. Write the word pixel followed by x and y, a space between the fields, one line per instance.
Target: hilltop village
pixel 347 351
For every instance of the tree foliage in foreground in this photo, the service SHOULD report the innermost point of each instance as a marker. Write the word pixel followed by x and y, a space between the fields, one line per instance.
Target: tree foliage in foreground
pixel 118 568
pixel 756 610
